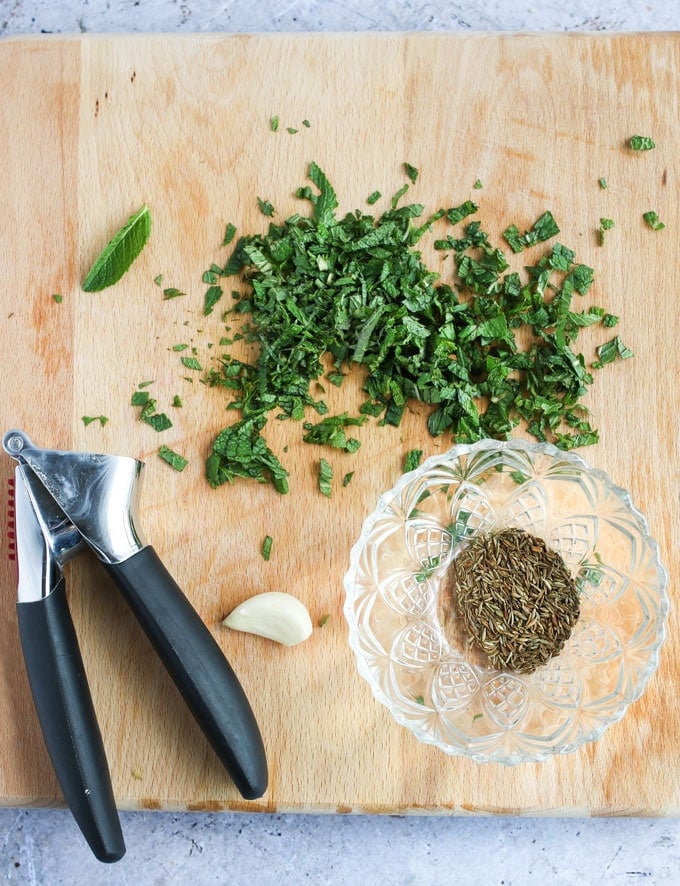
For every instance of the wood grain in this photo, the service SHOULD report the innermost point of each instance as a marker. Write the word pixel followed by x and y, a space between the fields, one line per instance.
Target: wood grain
pixel 93 127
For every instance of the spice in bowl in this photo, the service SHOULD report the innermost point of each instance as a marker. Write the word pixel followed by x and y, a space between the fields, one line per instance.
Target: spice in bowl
pixel 516 597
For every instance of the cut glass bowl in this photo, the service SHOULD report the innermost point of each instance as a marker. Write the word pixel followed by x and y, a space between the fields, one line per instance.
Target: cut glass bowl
pixel 413 651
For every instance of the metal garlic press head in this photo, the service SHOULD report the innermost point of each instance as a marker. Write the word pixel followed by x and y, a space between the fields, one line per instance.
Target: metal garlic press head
pixel 63 503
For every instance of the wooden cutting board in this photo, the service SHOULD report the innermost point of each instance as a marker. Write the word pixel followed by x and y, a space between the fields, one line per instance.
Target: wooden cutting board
pixel 93 127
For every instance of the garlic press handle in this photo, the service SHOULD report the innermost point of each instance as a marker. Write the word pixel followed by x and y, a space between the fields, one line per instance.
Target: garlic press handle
pixel 197 665
pixel 64 706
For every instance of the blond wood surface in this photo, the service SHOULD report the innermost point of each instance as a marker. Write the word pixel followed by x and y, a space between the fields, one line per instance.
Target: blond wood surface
pixel 90 129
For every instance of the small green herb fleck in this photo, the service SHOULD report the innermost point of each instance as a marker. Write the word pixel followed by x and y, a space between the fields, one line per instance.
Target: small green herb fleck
pixel 411 172
pixel 306 123
pixel 412 460
pixel 325 477
pixel 324 620
pixel 174 459
pixel 513 238
pixel 642 143
pixel 609 351
pixel 177 401
pixel 610 320
pixel 212 295
pixel 171 292
pixel 330 431
pixel 266 207
pixel 347 479
pixel 240 450
pixel 580 278
pixel 267 547
pixel 398 195
pixel 602 183
pixel 159 421
pixel 429 568
pixel 543 229
pixel 606 224
pixel 181 347
pixel 291 130
pixel 458 213
pixel 229 233
pixel 274 123
pixel 58 298
pixel 88 419
pixel 652 220
pixel 458 530
pixel 139 398
pixel 478 185
pixel 119 253
pixel 373 198
pixel 158 279
pixel 191 363
pixel 145 384
pixel 477 717
pixel 419 699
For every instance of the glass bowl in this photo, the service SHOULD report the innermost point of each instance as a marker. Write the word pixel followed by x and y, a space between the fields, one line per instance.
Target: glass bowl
pixel 414 653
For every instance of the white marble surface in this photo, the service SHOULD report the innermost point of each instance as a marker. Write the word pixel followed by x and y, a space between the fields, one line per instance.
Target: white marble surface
pixel 44 847
pixel 60 16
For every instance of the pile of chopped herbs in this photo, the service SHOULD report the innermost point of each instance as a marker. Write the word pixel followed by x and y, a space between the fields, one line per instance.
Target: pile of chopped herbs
pixel 485 351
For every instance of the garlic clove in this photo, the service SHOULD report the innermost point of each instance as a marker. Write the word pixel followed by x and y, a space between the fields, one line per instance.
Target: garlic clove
pixel 275 615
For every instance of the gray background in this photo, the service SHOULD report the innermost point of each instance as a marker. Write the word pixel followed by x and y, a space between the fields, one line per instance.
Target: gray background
pixel 44 846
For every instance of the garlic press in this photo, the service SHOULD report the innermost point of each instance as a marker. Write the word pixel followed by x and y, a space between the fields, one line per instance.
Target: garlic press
pixel 63 504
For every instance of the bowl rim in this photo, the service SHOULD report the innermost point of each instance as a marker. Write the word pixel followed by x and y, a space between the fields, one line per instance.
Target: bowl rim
pixel 455 452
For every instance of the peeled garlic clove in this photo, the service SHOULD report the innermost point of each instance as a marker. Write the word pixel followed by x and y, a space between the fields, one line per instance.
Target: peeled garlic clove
pixel 274 615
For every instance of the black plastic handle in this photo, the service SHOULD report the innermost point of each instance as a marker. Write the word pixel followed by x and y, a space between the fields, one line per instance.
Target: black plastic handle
pixel 64 706
pixel 197 665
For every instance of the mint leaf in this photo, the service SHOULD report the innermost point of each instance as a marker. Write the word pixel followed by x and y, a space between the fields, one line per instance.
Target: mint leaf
pixel 326 202
pixel 266 207
pixel 642 143
pixel 139 398
pixel 458 213
pixel 172 292
pixel 229 232
pixel 325 477
pixel 157 420
pixel 412 460
pixel 652 219
pixel 411 172
pixel 240 450
pixel 212 296
pixel 119 253
pixel 174 459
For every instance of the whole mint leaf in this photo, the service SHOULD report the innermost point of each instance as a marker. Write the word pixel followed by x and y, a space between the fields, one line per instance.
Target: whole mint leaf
pixel 119 253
